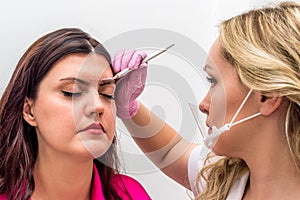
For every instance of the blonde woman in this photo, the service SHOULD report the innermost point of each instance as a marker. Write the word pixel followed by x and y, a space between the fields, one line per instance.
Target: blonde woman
pixel 254 67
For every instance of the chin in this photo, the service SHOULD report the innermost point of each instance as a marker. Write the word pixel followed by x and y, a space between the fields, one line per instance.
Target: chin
pixel 219 151
pixel 95 151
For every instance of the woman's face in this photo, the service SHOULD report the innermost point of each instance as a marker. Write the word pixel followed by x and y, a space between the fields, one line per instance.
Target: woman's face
pixel 222 101
pixel 74 110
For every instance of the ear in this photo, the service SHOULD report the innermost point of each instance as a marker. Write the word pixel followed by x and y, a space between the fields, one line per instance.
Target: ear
pixel 28 113
pixel 269 104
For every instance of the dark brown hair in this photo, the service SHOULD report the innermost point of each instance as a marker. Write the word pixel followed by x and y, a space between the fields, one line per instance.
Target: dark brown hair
pixel 18 140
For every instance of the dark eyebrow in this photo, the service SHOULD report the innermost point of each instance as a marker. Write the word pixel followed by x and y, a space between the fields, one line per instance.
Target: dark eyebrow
pixel 75 80
pixel 107 82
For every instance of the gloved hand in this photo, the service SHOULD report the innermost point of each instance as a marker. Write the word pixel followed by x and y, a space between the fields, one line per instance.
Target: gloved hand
pixel 130 86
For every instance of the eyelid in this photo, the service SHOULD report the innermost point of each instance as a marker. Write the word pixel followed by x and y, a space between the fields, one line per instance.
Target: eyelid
pixel 107 88
pixel 110 97
pixel 71 85
pixel 73 89
pixel 211 80
pixel 71 94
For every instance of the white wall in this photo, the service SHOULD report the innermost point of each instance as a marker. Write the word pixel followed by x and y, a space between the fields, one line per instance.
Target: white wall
pixel 194 21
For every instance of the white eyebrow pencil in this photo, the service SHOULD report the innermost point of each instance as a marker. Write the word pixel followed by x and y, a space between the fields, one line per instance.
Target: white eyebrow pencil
pixel 151 56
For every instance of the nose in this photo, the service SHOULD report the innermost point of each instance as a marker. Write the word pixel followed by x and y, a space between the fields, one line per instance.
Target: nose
pixel 204 104
pixel 95 105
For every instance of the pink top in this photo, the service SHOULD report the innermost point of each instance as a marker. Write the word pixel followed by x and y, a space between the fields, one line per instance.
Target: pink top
pixel 134 188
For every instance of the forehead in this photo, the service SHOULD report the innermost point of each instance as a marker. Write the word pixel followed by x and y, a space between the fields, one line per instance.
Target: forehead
pixel 214 55
pixel 87 66
pixel 215 59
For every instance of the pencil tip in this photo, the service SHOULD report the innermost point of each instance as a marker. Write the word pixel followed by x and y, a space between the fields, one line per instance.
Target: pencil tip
pixel 170 46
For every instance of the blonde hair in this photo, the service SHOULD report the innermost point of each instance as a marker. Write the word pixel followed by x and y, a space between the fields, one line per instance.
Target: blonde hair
pixel 264 47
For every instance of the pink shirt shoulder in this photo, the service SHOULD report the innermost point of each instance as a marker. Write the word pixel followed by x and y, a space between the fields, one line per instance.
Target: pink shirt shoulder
pixel 134 188
pixel 126 185
pixel 3 197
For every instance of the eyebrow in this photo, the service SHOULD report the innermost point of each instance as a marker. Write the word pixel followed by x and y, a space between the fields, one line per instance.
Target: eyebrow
pixel 207 66
pixel 102 82
pixel 106 82
pixel 75 80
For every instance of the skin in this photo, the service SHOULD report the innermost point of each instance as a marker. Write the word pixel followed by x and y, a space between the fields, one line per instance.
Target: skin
pixel 222 101
pixel 64 165
pixel 260 141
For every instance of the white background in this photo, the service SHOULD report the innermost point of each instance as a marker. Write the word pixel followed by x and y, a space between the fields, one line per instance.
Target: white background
pixel 22 22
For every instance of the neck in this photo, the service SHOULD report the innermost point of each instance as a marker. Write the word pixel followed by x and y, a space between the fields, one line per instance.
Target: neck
pixel 273 182
pixel 273 173
pixel 59 177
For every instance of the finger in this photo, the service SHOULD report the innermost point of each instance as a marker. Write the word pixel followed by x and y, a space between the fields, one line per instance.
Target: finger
pixel 117 61
pixel 137 77
pixel 142 54
pixel 126 58
pixel 143 65
pixel 136 60
pixel 143 74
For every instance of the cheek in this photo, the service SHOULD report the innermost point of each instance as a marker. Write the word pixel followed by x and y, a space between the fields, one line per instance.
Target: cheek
pixel 54 111
pixel 53 119
pixel 111 120
pixel 54 108
pixel 218 106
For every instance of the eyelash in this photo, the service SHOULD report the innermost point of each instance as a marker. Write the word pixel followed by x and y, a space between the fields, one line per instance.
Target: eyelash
pixel 109 97
pixel 70 94
pixel 212 81
pixel 77 94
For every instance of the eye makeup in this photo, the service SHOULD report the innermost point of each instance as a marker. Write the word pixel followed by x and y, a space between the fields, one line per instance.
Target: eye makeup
pixel 107 89
pixel 75 87
pixel 210 78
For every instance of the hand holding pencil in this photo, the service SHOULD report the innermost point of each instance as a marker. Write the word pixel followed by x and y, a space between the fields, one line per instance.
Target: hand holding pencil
pixel 130 85
pixel 144 60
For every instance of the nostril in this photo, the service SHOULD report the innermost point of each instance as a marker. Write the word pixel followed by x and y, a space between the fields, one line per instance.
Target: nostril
pixel 95 105
pixel 203 108
pixel 96 114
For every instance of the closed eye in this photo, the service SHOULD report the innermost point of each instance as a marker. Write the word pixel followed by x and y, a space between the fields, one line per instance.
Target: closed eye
pixel 71 94
pixel 109 97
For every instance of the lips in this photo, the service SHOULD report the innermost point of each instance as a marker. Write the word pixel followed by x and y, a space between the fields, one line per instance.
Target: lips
pixel 207 123
pixel 209 130
pixel 95 128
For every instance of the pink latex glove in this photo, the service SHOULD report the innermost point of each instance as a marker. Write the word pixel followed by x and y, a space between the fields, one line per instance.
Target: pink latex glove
pixel 130 86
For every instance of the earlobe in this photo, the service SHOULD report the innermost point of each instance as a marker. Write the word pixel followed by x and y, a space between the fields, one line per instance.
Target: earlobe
pixel 269 104
pixel 28 113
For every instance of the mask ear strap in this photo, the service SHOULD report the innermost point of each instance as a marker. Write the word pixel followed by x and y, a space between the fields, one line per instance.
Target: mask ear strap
pixel 242 104
pixel 242 120
pixel 232 123
pixel 216 132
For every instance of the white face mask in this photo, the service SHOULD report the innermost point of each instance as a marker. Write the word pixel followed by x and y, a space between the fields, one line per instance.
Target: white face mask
pixel 212 139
